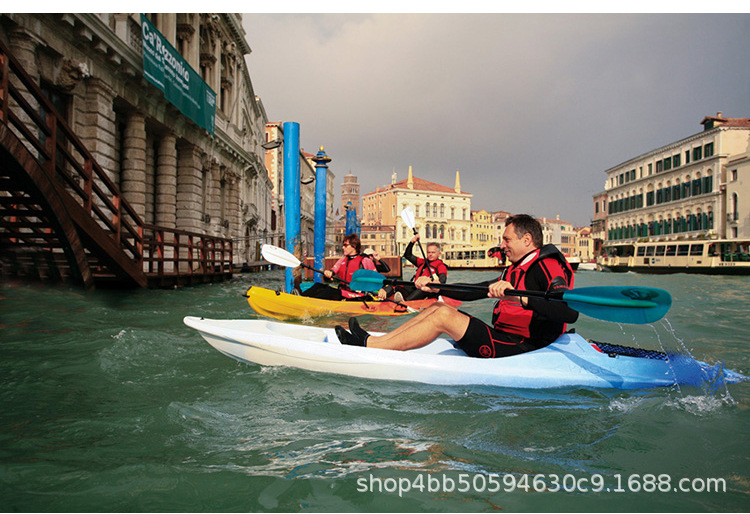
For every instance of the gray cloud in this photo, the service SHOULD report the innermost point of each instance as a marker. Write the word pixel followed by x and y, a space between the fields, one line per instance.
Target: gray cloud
pixel 530 108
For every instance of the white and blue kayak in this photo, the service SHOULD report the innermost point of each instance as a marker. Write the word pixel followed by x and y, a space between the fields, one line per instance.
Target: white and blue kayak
pixel 570 361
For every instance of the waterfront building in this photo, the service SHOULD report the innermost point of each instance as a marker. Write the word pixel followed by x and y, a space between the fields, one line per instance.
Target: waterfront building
pixel 274 162
pixel 483 230
pixel 380 238
pixel 200 172
pixel 585 244
pixel 442 214
pixel 684 206
pixel 680 190
pixel 738 196
pixel 562 234
pixel 599 222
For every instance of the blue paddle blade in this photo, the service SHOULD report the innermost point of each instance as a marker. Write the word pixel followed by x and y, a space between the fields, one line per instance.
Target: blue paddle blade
pixel 635 305
pixel 366 280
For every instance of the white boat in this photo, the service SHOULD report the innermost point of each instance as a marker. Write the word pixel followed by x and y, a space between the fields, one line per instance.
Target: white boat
pixel 569 361
pixel 573 260
pixel 707 256
pixel 587 266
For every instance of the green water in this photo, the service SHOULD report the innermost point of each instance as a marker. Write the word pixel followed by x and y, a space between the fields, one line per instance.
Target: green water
pixel 109 403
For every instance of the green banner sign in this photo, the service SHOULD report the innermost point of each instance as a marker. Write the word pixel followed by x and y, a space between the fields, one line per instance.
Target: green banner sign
pixel 165 68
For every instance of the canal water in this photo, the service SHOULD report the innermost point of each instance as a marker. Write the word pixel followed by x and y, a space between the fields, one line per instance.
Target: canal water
pixel 109 403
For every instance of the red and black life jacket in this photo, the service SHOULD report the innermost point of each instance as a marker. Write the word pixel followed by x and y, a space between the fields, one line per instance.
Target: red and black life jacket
pixel 437 266
pixel 509 315
pixel 347 269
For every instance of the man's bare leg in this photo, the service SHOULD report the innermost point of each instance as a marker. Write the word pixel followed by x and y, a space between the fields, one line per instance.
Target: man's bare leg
pixel 423 329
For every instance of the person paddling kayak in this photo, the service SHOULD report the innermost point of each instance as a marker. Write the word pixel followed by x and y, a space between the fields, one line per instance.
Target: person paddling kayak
pixel 431 270
pixel 344 268
pixel 520 324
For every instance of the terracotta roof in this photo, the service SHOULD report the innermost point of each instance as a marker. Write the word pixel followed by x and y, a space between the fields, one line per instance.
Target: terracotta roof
pixel 727 122
pixel 421 184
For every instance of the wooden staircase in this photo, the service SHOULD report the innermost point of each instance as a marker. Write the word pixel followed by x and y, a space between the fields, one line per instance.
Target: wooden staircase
pixel 63 220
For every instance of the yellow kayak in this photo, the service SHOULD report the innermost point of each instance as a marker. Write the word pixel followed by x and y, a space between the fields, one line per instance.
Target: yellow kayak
pixel 288 306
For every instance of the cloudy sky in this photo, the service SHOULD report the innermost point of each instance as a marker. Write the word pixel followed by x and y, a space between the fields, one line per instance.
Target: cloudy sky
pixel 531 108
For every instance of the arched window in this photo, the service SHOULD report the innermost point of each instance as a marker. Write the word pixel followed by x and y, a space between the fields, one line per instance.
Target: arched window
pixel 427 210
pixel 442 210
pixel 427 231
pixel 434 210
pixel 735 207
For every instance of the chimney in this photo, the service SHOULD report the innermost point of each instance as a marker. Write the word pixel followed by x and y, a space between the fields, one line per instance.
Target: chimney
pixel 410 180
pixel 458 183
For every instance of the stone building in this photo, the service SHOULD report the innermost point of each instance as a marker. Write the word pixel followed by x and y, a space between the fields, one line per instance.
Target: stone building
pixel 691 188
pixel 442 214
pixel 174 172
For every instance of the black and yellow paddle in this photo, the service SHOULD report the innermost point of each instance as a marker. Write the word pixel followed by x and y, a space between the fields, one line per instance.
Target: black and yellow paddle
pixel 281 257
pixel 627 304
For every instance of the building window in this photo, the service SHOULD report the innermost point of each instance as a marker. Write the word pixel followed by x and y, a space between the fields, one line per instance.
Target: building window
pixel 708 150
pixel 687 156
pixel 676 161
pixel 697 153
pixel 733 175
pixel 659 166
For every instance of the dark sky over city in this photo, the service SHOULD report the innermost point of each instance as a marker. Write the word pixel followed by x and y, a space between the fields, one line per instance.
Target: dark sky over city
pixel 530 108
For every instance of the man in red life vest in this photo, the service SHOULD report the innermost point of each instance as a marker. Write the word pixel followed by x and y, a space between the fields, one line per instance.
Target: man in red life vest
pixel 344 268
pixel 519 324
pixel 434 270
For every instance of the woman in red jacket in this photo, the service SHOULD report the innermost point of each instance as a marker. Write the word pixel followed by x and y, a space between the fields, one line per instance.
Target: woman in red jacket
pixel 343 269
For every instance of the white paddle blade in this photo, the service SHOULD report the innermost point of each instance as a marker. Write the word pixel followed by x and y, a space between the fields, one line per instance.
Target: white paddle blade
pixel 408 216
pixel 276 255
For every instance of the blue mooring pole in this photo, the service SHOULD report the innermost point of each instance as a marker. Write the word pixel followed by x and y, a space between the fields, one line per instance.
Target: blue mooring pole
pixel 321 187
pixel 352 223
pixel 292 216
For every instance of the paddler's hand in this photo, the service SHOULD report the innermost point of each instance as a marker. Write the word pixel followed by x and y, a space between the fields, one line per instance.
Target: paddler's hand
pixel 328 273
pixel 415 238
pixel 382 294
pixel 423 283
pixel 497 290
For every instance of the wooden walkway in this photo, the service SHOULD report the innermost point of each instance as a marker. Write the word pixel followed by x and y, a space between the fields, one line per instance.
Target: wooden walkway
pixel 63 220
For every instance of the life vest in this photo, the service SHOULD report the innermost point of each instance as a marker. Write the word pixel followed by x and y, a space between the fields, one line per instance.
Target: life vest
pixel 437 266
pixel 345 268
pixel 509 315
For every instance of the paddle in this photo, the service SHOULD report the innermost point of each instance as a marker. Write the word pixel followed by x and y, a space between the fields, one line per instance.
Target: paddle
pixel 281 257
pixel 276 255
pixel 408 216
pixel 636 305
